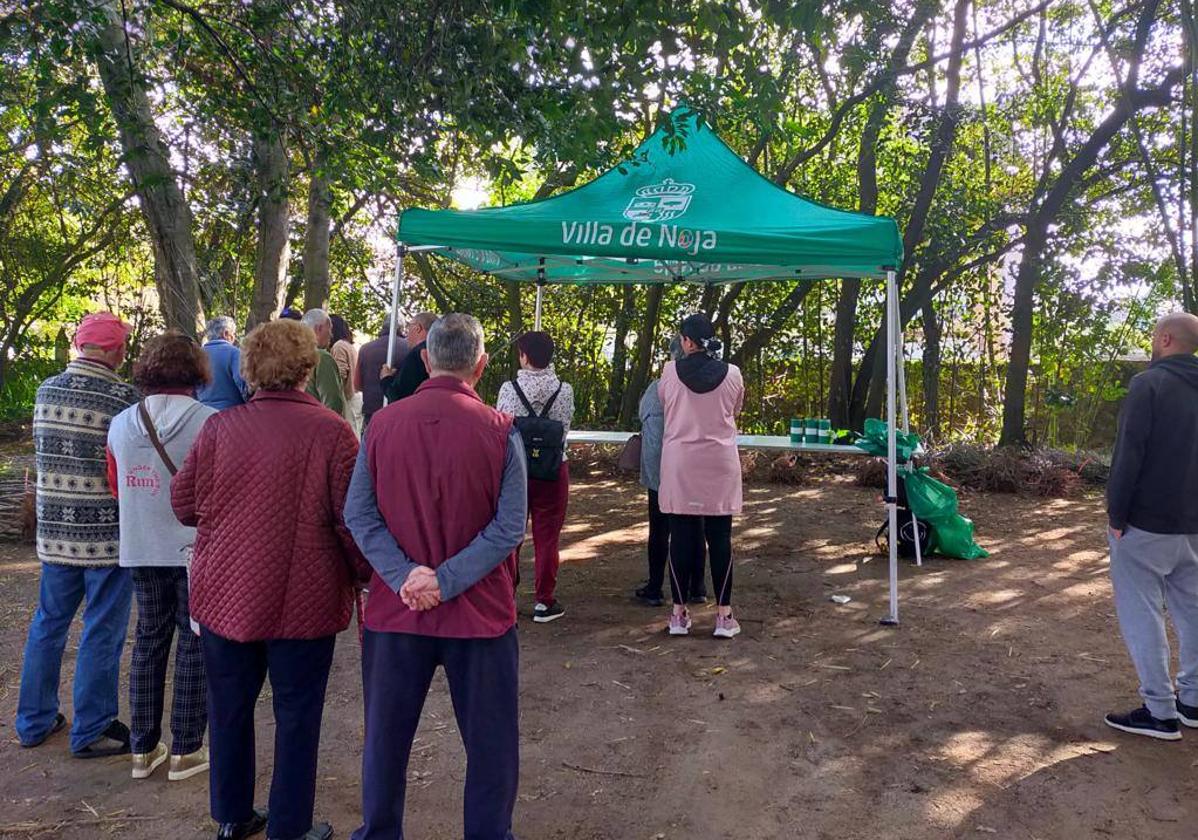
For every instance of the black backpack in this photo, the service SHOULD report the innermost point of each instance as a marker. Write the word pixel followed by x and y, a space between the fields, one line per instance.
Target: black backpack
pixel 907 535
pixel 544 439
pixel 910 529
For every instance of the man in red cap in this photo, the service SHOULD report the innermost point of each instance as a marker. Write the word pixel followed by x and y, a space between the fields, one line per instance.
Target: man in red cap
pixel 77 542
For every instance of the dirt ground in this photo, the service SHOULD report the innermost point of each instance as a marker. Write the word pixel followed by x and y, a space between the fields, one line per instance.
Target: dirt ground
pixel 980 715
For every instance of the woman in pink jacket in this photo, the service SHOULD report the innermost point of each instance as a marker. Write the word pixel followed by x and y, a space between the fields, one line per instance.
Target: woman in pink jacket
pixel 700 469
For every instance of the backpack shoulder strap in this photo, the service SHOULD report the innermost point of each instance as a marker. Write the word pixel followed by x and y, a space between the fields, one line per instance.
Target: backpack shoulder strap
pixel 532 412
pixel 153 435
pixel 549 402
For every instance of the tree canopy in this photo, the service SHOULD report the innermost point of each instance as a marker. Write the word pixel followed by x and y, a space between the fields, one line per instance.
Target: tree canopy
pixel 177 160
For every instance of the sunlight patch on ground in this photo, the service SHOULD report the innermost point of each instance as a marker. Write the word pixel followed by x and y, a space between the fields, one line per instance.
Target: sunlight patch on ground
pixel 592 547
pixel 994 762
pixel 995 598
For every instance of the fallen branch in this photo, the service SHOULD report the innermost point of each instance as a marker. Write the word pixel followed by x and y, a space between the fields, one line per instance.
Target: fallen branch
pixel 35 827
pixel 621 773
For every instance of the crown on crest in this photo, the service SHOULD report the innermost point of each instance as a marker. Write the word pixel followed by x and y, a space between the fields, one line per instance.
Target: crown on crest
pixel 667 187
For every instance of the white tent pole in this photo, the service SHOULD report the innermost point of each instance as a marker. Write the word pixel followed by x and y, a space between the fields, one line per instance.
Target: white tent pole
pixel 394 322
pixel 891 445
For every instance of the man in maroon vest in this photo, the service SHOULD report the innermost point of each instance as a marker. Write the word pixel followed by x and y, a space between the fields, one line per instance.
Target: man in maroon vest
pixel 437 504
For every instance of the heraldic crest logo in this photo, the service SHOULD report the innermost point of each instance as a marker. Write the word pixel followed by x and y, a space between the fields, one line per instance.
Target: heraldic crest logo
pixel 659 202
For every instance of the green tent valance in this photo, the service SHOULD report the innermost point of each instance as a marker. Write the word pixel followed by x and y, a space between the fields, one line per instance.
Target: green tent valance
pixel 685 208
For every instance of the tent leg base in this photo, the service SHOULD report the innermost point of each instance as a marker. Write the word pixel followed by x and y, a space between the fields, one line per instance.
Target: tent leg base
pixel 889 621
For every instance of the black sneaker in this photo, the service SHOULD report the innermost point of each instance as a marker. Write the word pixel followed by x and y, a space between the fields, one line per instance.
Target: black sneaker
pixel 1141 722
pixel 697 598
pixel 545 613
pixel 1187 714
pixel 649 598
pixel 114 740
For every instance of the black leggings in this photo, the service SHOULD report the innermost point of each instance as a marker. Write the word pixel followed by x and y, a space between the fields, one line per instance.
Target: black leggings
pixel 687 537
pixel 659 545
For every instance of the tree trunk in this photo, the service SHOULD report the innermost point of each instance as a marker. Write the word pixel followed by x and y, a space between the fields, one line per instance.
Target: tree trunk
pixel 619 356
pixel 1189 107
pixel 931 372
pixel 869 388
pixel 168 218
pixel 840 378
pixel 274 245
pixel 316 239
pixel 1028 276
pixel 515 319
pixel 645 338
pixel 1022 312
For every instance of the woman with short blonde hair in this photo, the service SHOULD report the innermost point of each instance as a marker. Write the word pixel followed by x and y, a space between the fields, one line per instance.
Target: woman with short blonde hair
pixel 273 575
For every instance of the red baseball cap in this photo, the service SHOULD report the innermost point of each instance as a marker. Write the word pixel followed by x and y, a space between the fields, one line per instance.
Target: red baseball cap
pixel 103 330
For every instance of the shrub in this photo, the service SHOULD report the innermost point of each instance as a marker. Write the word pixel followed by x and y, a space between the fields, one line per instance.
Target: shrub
pixel 20 385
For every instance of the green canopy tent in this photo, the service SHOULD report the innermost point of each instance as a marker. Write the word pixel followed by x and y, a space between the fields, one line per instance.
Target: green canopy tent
pixel 684 208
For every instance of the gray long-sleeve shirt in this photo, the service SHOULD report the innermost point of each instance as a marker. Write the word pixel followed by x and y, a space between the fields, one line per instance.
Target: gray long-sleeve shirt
pixel 470 565
pixel 653 429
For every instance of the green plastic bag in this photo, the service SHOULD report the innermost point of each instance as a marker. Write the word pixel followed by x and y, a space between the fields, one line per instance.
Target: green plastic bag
pixel 936 503
pixel 873 440
pixel 929 499
pixel 954 538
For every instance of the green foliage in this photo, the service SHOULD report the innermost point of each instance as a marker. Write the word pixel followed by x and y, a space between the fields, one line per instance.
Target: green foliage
pixel 20 385
pixel 396 102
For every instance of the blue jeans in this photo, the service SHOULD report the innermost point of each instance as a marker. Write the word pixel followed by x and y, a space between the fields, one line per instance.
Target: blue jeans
pixel 109 593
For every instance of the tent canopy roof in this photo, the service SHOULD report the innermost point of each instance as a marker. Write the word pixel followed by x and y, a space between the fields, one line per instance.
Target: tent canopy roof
pixel 685 207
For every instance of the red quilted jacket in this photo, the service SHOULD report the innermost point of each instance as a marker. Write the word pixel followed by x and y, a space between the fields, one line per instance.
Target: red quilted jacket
pixel 264 485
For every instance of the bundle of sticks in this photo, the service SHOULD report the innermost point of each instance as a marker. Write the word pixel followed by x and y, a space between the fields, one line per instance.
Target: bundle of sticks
pixel 18 509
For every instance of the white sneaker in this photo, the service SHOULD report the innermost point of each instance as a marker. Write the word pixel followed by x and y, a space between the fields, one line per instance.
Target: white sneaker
pixel 680 625
pixel 726 627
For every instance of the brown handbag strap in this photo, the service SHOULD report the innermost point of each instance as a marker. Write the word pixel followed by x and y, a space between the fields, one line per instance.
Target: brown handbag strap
pixel 153 434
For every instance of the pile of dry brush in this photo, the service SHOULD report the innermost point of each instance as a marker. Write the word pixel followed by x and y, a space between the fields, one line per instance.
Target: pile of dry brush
pixel 1049 473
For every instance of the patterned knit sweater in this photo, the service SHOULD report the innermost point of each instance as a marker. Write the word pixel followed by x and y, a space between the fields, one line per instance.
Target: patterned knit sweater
pixel 76 513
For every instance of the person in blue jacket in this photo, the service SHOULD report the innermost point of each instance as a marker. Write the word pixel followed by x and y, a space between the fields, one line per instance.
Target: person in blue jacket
pixel 227 388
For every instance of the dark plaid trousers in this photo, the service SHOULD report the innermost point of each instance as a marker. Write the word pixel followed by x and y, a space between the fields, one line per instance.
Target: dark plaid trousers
pixel 162 611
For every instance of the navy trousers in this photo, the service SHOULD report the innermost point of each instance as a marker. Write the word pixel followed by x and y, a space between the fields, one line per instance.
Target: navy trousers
pixel 299 674
pixel 397 669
